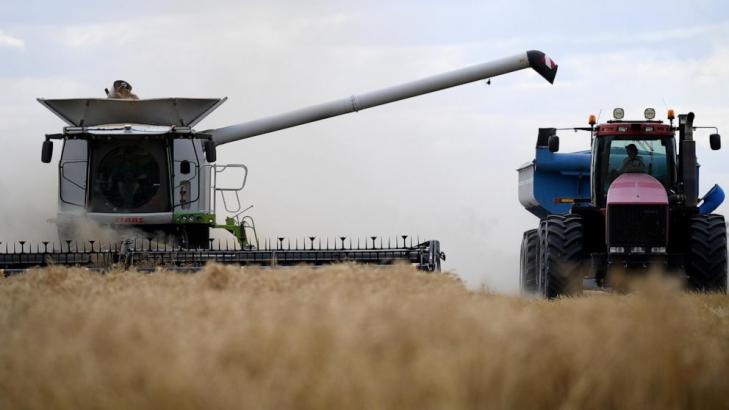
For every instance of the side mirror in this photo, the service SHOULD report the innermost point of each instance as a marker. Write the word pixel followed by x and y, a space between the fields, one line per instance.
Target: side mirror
pixel 210 154
pixel 715 141
pixel 185 167
pixel 553 143
pixel 47 151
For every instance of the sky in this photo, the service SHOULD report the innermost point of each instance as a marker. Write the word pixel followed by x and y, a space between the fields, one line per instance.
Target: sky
pixel 439 166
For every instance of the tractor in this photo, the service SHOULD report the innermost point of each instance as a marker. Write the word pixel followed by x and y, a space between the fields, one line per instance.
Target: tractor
pixel 629 205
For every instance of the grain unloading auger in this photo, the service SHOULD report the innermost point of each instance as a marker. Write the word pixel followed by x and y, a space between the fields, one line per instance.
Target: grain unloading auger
pixel 138 165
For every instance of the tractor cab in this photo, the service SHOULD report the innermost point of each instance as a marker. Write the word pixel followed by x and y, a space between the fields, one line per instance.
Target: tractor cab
pixel 632 147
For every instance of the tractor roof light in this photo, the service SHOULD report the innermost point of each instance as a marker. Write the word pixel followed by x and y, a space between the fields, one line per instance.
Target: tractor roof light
pixel 592 120
pixel 618 113
pixel 649 114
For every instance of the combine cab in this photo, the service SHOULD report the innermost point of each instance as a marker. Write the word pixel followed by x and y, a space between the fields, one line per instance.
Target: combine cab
pixel 139 168
pixel 628 204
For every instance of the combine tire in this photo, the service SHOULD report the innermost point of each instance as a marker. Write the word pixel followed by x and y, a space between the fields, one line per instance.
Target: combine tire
pixel 194 236
pixel 707 259
pixel 561 256
pixel 529 261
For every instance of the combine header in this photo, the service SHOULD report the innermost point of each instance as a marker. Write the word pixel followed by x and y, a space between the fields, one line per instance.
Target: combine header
pixel 630 203
pixel 147 255
pixel 138 165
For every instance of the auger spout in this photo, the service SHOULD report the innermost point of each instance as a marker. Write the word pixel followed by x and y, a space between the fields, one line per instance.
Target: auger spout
pixel 534 59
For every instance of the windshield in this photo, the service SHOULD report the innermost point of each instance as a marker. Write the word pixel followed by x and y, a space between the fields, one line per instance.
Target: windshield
pixel 621 155
pixel 129 176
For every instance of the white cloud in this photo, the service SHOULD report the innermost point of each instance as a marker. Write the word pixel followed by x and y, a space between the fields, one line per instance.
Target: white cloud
pixel 7 40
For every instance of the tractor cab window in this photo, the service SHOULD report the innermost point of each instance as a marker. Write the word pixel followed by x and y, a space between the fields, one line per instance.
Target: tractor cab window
pixel 621 155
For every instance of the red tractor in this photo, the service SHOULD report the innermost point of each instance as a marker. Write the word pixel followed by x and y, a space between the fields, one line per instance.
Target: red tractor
pixel 628 204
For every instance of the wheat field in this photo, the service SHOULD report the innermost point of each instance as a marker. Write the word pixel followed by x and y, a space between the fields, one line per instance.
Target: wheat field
pixel 350 337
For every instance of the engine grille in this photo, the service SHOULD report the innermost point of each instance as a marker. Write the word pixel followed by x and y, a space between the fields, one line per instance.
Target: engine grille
pixel 637 225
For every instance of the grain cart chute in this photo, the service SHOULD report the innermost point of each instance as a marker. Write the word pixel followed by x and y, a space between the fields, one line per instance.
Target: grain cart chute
pixel 628 204
pixel 139 164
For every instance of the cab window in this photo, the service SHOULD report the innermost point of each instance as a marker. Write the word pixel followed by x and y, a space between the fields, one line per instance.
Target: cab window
pixel 621 155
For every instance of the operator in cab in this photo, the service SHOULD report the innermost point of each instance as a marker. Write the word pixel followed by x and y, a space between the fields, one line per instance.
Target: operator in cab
pixel 121 90
pixel 632 163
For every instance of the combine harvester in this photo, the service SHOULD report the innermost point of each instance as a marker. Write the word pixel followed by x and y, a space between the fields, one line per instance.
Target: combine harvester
pixel 130 163
pixel 630 203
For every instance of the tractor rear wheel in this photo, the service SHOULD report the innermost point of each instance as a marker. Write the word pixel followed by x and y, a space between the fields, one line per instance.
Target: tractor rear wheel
pixel 706 266
pixel 541 244
pixel 562 256
pixel 529 261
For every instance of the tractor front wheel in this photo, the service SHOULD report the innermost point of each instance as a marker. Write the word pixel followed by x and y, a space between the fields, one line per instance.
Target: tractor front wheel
pixel 706 266
pixel 561 256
